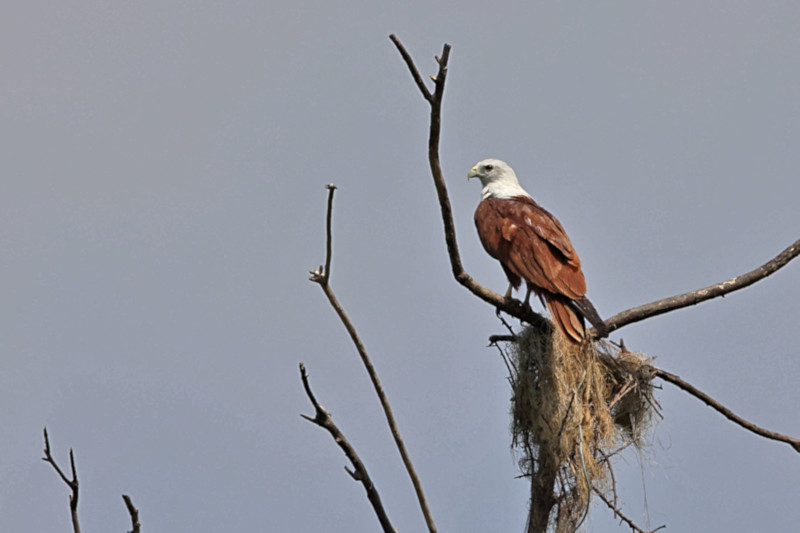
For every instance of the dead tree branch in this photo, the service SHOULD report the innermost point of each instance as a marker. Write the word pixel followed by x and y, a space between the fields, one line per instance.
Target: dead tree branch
pixel 514 307
pixel 71 483
pixel 323 419
pixel 134 512
pixel 511 306
pixel 322 277
pixel 631 524
pixel 672 303
pixel 727 413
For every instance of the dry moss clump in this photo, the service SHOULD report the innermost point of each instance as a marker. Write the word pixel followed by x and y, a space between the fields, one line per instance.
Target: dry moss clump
pixel 572 407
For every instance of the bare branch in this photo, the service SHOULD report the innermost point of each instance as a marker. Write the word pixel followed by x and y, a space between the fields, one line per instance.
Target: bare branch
pixel 322 278
pixel 134 512
pixel 323 419
pixel 624 518
pixel 71 483
pixel 494 339
pixel 607 459
pixel 730 415
pixel 331 188
pixel 323 274
pixel 414 72
pixel 511 306
pixel 701 295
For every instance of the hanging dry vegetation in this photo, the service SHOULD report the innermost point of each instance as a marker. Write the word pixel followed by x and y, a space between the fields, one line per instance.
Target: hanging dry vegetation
pixel 573 407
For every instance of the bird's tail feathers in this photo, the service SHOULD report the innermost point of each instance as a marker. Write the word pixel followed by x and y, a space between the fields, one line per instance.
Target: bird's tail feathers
pixel 566 317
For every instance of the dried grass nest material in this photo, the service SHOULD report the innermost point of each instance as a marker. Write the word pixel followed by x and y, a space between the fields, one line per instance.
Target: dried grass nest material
pixel 572 407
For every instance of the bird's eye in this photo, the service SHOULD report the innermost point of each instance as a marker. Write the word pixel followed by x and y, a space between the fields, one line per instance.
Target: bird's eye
pixel 489 167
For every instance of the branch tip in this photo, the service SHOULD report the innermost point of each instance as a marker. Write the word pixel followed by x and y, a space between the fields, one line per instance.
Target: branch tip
pixel 721 289
pixel 359 472
pixel 727 413
pixel 133 512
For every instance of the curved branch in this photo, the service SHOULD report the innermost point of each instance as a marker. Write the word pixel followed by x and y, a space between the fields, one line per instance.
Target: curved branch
pixel 323 419
pixel 701 295
pixel 727 413
pixel 511 306
pixel 322 277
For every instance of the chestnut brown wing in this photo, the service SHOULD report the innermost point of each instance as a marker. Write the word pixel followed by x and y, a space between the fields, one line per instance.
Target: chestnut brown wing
pixel 531 243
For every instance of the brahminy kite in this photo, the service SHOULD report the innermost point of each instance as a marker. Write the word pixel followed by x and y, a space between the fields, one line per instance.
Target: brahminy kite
pixel 531 244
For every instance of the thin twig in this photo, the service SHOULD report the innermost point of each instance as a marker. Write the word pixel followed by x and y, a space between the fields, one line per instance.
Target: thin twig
pixel 494 339
pixel 134 512
pixel 323 419
pixel 672 303
pixel 607 459
pixel 323 274
pixel 414 72
pixel 512 371
pixel 322 278
pixel 329 234
pixel 727 413
pixel 585 477
pixel 617 512
pixel 71 483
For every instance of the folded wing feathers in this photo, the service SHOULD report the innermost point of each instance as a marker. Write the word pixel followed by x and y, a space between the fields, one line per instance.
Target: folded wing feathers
pixel 531 244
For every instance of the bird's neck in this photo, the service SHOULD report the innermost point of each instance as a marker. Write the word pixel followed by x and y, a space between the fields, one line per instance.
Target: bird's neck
pixel 503 190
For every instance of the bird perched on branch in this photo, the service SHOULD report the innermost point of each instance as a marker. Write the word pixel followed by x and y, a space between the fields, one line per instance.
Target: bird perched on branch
pixel 531 245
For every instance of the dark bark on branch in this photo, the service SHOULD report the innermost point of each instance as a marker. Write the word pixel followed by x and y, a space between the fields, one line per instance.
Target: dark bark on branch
pixel 323 419
pixel 624 518
pixel 511 306
pixel 322 277
pixel 672 303
pixel 727 413
pixel 514 307
pixel 71 483
pixel 134 512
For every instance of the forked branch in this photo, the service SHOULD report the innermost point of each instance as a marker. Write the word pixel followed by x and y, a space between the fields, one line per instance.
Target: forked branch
pixel 71 483
pixel 511 306
pixel 322 277
pixel 514 307
pixel 323 419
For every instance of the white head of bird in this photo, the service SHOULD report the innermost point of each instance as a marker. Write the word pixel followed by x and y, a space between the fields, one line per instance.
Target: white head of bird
pixel 498 179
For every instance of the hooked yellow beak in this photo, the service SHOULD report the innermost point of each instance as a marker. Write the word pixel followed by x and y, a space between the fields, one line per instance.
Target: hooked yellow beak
pixel 473 172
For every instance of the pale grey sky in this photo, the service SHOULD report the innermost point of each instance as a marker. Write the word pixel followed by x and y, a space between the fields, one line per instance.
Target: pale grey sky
pixel 163 198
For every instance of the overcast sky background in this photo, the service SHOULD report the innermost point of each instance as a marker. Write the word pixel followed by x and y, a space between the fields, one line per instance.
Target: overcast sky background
pixel 162 200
